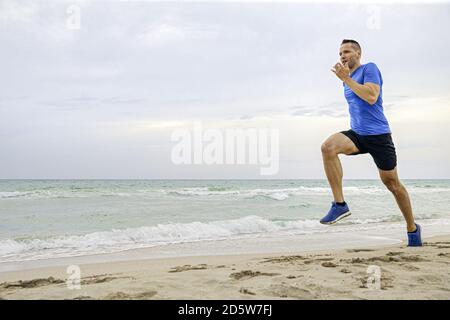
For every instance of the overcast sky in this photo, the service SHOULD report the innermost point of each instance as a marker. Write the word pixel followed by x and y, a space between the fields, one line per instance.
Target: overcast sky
pixel 102 100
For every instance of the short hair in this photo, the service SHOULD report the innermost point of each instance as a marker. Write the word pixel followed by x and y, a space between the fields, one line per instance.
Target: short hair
pixel 354 43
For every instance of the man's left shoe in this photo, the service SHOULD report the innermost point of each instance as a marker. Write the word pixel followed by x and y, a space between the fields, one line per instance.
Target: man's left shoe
pixel 335 214
pixel 415 238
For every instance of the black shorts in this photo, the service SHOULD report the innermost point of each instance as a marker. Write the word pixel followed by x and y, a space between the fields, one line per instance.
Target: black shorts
pixel 380 147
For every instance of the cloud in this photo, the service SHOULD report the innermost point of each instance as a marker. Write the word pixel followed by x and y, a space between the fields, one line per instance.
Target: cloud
pixel 18 12
pixel 247 117
pixel 173 30
pixel 334 109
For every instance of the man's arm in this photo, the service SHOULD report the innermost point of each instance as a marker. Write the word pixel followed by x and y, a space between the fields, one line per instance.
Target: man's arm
pixel 368 91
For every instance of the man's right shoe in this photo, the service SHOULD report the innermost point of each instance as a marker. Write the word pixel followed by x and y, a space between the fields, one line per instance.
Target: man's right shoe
pixel 415 238
pixel 336 213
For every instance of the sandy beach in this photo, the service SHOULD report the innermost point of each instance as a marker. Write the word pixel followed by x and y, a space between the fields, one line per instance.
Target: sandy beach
pixel 404 273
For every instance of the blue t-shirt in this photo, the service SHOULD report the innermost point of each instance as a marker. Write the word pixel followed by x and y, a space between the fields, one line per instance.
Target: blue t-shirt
pixel 366 119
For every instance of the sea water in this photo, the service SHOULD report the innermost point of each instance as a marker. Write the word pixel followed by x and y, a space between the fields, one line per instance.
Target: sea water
pixel 44 219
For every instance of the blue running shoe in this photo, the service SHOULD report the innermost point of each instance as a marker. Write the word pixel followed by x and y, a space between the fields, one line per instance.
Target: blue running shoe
pixel 335 214
pixel 415 238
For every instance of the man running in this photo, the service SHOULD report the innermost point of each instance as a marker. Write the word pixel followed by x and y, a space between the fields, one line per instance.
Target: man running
pixel 369 133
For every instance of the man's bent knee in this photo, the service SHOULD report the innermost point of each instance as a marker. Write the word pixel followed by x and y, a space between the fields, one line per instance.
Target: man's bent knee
pixel 328 148
pixel 338 143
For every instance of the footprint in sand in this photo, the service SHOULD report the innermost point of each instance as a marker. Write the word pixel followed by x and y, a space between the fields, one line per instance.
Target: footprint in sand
pixel 247 274
pixel 394 253
pixel 393 257
pixel 345 270
pixel 324 259
pixel 288 259
pixel 188 267
pixel 246 291
pixel 125 296
pixel 414 258
pixel 31 283
pixel 287 291
pixel 444 254
pixel 50 281
pixel 359 250
pixel 83 298
pixel 100 279
pixel 438 244
pixel 409 267
pixel 329 264
pixel 428 279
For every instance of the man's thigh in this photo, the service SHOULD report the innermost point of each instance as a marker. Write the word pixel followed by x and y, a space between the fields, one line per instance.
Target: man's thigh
pixel 341 144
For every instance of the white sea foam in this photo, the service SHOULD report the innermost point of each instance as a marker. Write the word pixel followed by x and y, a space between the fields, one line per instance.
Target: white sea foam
pixel 116 240
pixel 285 193
pixel 161 234
pixel 279 194
pixel 14 194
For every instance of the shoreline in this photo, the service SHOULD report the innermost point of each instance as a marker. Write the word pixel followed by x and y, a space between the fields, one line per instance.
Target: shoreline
pixel 406 273
pixel 342 236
